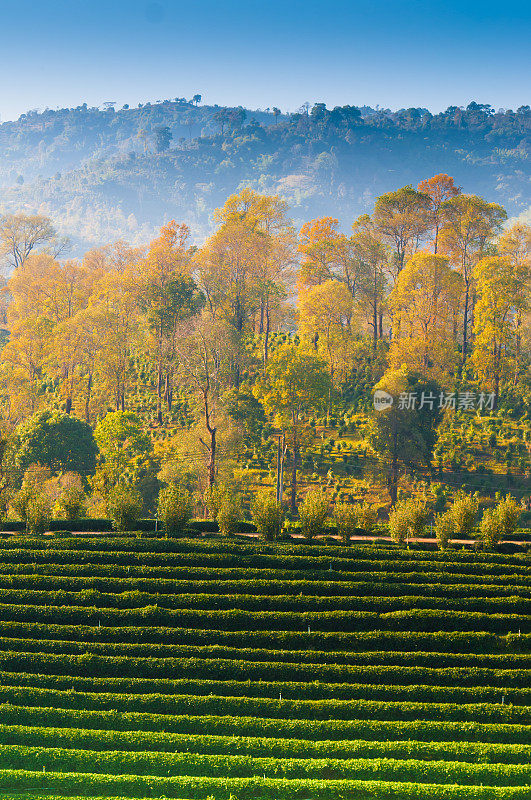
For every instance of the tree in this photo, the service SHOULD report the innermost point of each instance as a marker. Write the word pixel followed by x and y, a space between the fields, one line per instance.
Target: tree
pixel 501 298
pixel 470 224
pixel 318 246
pixel 425 303
pixel 163 137
pixel 294 384
pixel 371 258
pixel 22 234
pixel 126 455
pixel 246 267
pixel 325 319
pixel 404 432
pixel 206 349
pixel 439 189
pixel 166 294
pixel 402 218
pixel 116 326
pixel 55 440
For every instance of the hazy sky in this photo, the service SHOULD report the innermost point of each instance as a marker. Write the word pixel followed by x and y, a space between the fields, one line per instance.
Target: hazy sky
pixel 268 53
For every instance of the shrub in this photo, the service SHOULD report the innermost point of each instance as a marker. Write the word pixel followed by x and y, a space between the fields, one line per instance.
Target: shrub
pixel 313 512
pixel 444 528
pixel 124 506
pixel 346 520
pixel 32 485
pixel 508 512
pixel 229 515
pixel 174 509
pixel 367 516
pixel 72 504
pixel 490 529
pixel 463 513
pixel 407 520
pixel 214 498
pixel 38 514
pixel 499 522
pixel 268 515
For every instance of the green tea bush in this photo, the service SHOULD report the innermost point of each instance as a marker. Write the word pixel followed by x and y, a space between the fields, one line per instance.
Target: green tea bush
pixel 313 512
pixel 174 509
pixel 268 515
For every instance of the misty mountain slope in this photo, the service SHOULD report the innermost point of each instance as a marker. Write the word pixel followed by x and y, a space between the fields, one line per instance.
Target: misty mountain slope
pixel 116 185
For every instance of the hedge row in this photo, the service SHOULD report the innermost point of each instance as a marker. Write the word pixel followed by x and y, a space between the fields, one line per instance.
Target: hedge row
pixel 133 741
pixel 197 788
pixel 257 561
pixel 142 763
pixel 258 588
pixel 279 727
pixel 262 603
pixel 445 642
pixel 157 659
pixel 413 620
pixel 261 550
pixel 265 707
pixel 291 690
pixel 98 571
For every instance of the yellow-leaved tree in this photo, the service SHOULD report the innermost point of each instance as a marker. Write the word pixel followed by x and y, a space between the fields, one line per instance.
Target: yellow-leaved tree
pixel 501 297
pixel 425 303
pixel 326 319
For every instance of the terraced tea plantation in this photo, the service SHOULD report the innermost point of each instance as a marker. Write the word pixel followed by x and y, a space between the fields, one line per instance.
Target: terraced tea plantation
pixel 136 668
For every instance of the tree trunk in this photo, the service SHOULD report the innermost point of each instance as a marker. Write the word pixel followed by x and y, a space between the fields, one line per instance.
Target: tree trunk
pixel 68 405
pixel 87 398
pixel 212 459
pixel 266 337
pixel 159 395
pixel 393 481
pixel 294 480
pixel 465 324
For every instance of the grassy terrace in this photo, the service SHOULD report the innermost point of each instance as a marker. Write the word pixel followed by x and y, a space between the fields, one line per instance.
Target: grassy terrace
pixel 136 668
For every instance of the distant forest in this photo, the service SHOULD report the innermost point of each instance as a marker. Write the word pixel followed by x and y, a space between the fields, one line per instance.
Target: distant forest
pixel 105 174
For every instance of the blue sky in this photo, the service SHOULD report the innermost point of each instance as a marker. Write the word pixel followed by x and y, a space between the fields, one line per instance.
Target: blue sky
pixel 263 54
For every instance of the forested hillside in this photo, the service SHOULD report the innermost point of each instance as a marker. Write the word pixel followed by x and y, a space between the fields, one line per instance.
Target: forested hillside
pixel 107 174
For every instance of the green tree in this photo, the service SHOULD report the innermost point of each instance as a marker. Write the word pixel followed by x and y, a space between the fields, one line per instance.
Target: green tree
pixel 59 441
pixel 126 453
pixel 295 384
pixel 404 432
